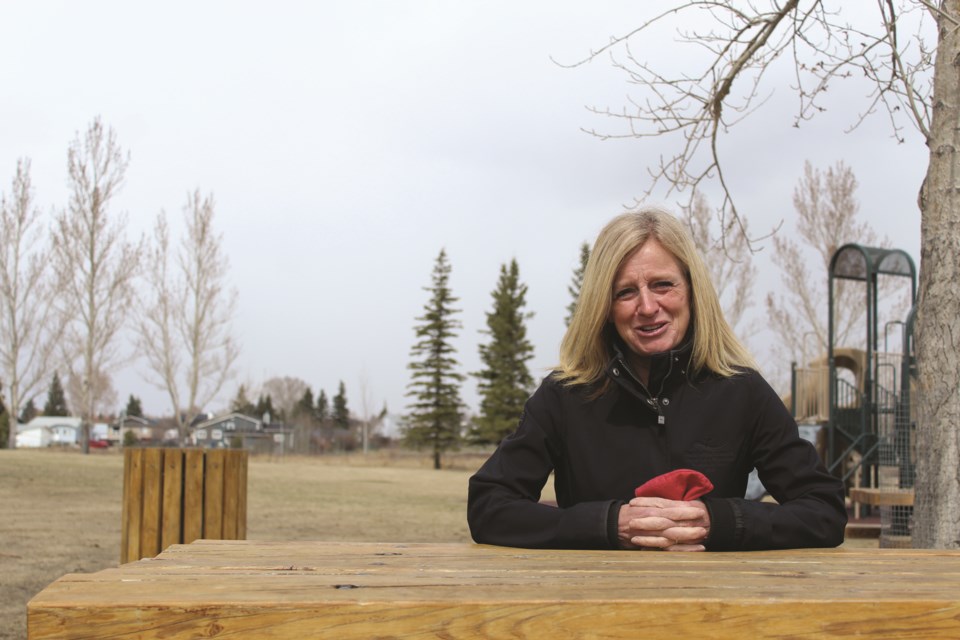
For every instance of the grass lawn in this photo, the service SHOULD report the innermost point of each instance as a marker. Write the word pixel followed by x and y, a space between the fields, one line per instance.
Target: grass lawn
pixel 61 510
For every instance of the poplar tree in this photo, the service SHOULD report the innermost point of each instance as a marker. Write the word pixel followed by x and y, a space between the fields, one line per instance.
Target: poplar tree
pixel 96 267
pixel 436 412
pixel 504 382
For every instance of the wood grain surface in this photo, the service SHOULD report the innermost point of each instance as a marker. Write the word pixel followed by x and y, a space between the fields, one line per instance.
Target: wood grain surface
pixel 233 589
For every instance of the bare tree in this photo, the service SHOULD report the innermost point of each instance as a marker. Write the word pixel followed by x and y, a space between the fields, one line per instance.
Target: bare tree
pixel 30 328
pixel 94 263
pixel 696 107
pixel 284 392
pixel 892 50
pixel 99 385
pixel 827 217
pixel 185 330
pixel 370 422
pixel 727 255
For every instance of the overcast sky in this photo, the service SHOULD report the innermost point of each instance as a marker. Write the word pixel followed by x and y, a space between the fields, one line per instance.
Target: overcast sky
pixel 346 143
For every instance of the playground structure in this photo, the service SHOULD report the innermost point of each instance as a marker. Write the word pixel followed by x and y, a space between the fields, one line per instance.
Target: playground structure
pixel 863 398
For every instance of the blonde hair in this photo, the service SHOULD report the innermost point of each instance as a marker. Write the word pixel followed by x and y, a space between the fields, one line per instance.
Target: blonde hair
pixel 586 346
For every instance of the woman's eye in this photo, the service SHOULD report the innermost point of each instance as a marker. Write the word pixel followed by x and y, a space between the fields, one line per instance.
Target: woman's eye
pixel 623 293
pixel 662 286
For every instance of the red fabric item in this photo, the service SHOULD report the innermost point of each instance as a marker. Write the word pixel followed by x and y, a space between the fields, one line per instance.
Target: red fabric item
pixel 679 484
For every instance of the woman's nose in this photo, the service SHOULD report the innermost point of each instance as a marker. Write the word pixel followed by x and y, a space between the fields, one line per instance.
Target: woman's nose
pixel 646 303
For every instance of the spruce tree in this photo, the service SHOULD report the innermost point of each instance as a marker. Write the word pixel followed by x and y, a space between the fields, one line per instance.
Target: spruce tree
pixel 29 412
pixel 504 382
pixel 56 399
pixel 242 404
pixel 134 407
pixel 435 415
pixel 304 406
pixel 577 281
pixel 341 415
pixel 323 407
pixel 264 410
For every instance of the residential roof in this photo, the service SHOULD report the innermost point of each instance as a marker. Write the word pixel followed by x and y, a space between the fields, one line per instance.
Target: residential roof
pixel 48 422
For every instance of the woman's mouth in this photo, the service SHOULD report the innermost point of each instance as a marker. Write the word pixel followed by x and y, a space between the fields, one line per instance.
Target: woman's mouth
pixel 651 329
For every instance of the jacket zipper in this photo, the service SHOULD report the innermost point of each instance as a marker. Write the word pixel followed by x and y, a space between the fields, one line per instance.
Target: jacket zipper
pixel 652 400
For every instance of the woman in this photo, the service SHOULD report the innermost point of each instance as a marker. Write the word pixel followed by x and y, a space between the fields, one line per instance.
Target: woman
pixel 652 379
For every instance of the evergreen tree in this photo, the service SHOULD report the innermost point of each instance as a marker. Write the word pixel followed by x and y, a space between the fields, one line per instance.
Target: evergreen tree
pixel 242 404
pixel 29 412
pixel 56 399
pixel 341 415
pixel 304 406
pixel 504 382
pixel 264 409
pixel 577 281
pixel 134 407
pixel 323 407
pixel 435 415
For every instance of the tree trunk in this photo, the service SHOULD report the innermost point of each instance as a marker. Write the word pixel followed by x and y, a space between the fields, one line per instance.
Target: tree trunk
pixel 937 503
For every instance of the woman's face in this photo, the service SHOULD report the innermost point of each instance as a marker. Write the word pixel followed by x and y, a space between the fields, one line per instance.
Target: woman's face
pixel 651 300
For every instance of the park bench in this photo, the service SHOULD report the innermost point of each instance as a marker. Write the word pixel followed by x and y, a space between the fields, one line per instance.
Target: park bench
pixel 367 590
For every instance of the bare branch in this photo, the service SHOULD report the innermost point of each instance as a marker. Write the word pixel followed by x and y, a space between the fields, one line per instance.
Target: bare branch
pixel 95 264
pixel 30 327
pixel 186 333
pixel 741 43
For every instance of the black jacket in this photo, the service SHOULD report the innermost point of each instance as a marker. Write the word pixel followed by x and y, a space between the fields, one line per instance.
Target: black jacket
pixel 600 449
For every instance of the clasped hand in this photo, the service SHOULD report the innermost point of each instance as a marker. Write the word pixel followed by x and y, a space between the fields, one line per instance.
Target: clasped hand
pixel 658 523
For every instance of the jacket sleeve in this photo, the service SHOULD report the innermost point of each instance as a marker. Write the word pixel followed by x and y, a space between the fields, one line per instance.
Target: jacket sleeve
pixel 809 509
pixel 503 505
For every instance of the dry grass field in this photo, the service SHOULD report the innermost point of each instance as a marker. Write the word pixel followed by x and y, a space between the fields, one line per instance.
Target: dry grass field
pixel 60 510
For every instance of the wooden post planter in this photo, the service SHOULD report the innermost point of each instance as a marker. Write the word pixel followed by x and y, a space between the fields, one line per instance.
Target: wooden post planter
pixel 176 496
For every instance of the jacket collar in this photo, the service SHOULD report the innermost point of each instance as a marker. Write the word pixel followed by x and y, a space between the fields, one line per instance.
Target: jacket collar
pixel 666 368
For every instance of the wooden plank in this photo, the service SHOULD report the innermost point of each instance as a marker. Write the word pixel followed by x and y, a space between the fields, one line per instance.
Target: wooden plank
pixel 856 529
pixel 152 502
pixel 242 497
pixel 345 590
pixel 172 528
pixel 132 504
pixel 883 497
pixel 532 619
pixel 213 493
pixel 231 487
pixel 193 495
pixel 125 506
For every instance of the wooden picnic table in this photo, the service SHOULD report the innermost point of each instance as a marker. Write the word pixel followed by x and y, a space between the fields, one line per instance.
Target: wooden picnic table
pixel 213 589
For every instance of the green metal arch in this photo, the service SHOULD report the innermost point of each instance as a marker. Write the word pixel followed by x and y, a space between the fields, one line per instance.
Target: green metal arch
pixel 857 262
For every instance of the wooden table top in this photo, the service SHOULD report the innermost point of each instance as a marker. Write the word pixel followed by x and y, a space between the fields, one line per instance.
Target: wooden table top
pixel 368 590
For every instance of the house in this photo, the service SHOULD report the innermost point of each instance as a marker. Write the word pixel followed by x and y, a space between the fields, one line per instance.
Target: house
pixel 219 431
pixel 142 430
pixel 46 431
pixel 241 431
pixel 59 431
